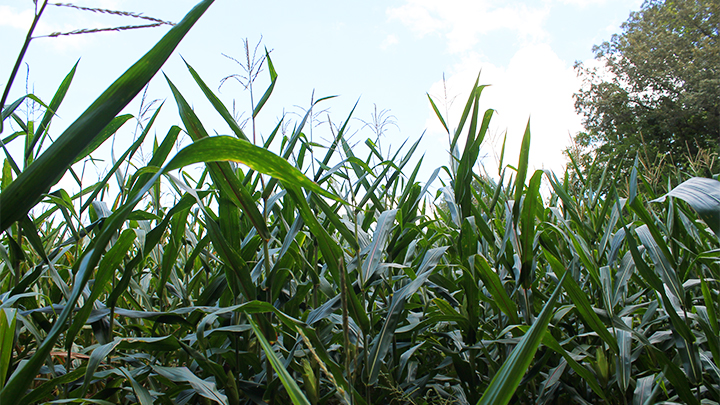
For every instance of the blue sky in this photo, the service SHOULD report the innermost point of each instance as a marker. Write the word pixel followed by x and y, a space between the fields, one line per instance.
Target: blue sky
pixel 387 55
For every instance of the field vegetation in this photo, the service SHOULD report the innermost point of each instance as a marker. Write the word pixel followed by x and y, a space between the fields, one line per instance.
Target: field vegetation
pixel 316 275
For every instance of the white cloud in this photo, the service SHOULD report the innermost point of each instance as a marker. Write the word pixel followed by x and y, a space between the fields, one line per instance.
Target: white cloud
pixel 536 84
pixel 389 41
pixel 583 3
pixel 12 17
pixel 463 21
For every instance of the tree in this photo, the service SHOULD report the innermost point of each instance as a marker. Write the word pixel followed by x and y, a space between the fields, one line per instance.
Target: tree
pixel 658 93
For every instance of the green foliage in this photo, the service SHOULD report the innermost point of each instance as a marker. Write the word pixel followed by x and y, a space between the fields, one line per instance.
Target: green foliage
pixel 657 93
pixel 283 281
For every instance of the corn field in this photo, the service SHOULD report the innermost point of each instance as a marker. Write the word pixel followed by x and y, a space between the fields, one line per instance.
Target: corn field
pixel 315 275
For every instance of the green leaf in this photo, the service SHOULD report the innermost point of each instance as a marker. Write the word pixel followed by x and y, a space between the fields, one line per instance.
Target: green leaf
pixel 268 92
pixel 159 156
pixel 100 186
pixel 106 133
pixel 521 171
pixel 527 228
pixel 677 378
pixel 579 298
pixel 437 113
pixel 293 390
pixel 506 380
pixel 184 375
pixel 222 174
pixel 501 169
pixel 141 393
pixel 105 273
pixel 27 190
pixel 644 393
pixel 703 195
pixel 584 373
pixel 206 364
pixel 494 285
pixel 383 227
pixel 384 339
pixel 226 148
pixel 237 270
pixel 52 108
pixel 97 356
pixel 311 340
pixel 167 343
pixel 466 112
pixel 331 213
pixel 624 360
pixel 82 269
pixel 662 264
pixel 47 389
pixel 463 179
pixel 7 337
pixel 219 106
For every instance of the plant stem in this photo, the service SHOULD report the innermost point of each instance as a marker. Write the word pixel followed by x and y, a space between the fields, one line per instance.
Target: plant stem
pixel 346 326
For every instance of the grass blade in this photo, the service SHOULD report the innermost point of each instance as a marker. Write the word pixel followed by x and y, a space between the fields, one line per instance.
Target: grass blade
pixel 437 113
pixel 521 171
pixel 106 133
pixel 142 395
pixel 52 108
pixel 268 92
pixel 82 269
pixel 219 106
pixel 583 372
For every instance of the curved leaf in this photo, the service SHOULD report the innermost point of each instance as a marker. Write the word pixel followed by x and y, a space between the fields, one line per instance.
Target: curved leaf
pixel 227 148
pixel 703 195
pixel 184 375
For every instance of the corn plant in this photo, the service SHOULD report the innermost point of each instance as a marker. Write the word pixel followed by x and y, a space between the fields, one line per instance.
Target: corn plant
pixel 286 270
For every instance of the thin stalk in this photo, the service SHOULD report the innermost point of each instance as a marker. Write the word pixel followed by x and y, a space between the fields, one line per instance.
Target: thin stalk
pixel 315 298
pixel 367 360
pixel 68 359
pixel 355 212
pixel 528 314
pixel 236 339
pixel 266 250
pixel 346 325
pixel 14 257
pixel 268 280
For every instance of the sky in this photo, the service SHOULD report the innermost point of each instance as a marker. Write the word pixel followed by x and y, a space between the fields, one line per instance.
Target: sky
pixel 383 55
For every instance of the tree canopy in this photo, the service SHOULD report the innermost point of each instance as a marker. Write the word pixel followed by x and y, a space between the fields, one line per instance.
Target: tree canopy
pixel 657 93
